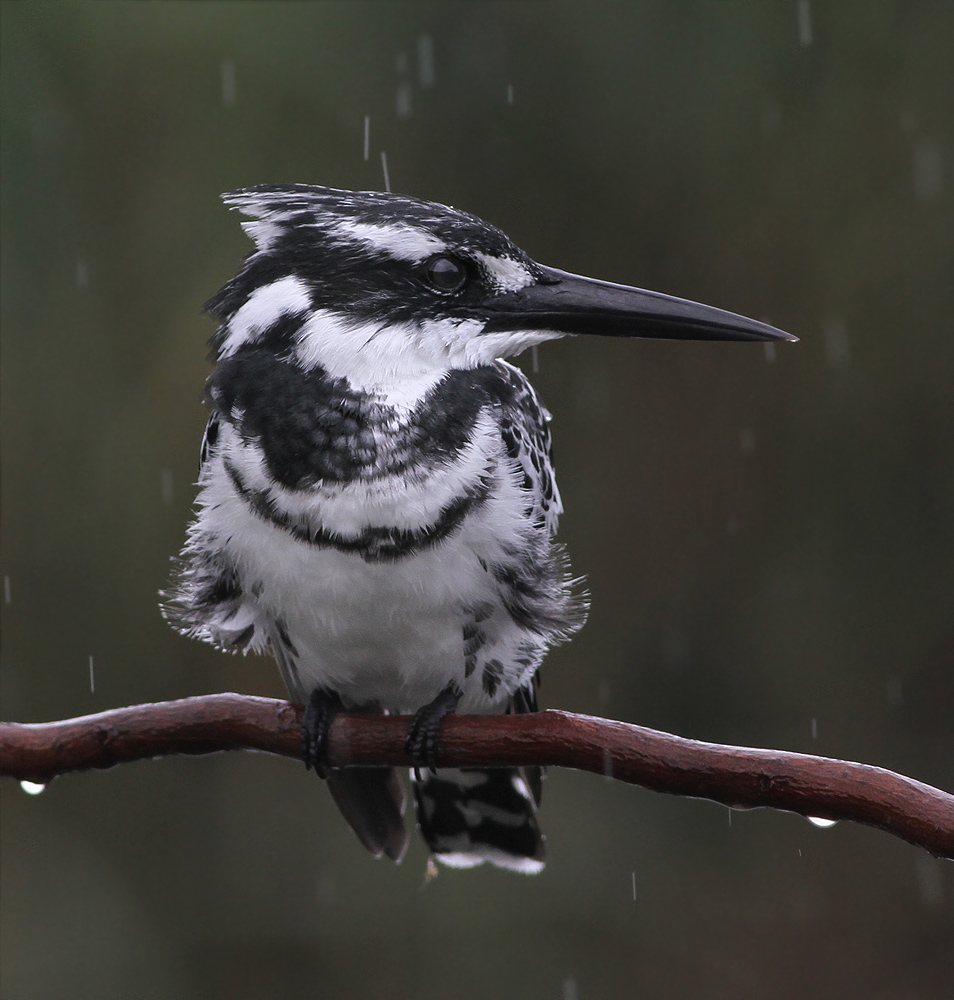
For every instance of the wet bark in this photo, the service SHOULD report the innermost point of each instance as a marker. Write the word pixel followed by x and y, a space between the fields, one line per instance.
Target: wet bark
pixel 739 777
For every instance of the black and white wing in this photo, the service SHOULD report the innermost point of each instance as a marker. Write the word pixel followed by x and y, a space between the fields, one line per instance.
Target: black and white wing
pixel 538 590
pixel 525 427
pixel 207 598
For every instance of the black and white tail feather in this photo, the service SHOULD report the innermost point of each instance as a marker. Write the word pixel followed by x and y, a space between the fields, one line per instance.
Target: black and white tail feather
pixel 377 502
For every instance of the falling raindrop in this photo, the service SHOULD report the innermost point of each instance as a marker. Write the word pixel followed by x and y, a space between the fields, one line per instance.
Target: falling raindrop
pixel 814 728
pixel 228 83
pixel 32 788
pixel 821 822
pixel 384 167
pixel 327 889
pixel 771 118
pixel 367 137
pixel 769 353
pixel 535 359
pixel 592 394
pixel 837 349
pixel 404 100
pixel 928 170
pixel 895 691
pixel 675 647
pixel 634 887
pixel 165 486
pixel 92 678
pixel 569 989
pixel 6 590
pixel 425 61
pixel 607 765
pixel 804 23
pixel 510 93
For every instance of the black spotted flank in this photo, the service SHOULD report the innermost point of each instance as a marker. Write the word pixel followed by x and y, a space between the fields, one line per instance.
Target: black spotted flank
pixel 473 641
pixel 241 641
pixel 526 435
pixel 473 634
pixel 492 676
pixel 281 630
pixel 538 594
pixel 206 587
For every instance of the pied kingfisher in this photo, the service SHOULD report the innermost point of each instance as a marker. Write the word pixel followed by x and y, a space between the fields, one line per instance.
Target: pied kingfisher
pixel 377 501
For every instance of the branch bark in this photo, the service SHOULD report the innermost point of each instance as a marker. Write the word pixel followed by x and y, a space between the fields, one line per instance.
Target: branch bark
pixel 739 777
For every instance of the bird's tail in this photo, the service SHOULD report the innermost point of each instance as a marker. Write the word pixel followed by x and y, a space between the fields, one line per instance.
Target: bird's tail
pixel 372 800
pixel 473 815
pixel 466 816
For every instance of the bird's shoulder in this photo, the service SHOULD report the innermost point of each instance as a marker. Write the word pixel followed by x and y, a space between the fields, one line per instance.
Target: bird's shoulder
pixel 524 424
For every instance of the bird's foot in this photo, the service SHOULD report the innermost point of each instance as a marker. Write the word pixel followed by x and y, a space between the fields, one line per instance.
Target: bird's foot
pixel 422 734
pixel 320 712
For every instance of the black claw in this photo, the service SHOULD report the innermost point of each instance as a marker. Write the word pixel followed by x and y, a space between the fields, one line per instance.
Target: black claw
pixel 320 711
pixel 422 735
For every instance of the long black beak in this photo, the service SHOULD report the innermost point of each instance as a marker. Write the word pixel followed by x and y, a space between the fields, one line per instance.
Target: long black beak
pixel 570 303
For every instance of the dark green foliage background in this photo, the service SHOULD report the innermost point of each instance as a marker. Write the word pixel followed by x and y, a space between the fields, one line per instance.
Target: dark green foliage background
pixel 769 546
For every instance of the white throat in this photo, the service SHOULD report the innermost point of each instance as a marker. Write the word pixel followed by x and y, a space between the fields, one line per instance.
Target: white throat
pixel 378 357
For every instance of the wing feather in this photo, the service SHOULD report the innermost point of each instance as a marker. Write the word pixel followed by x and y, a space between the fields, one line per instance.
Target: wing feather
pixel 525 427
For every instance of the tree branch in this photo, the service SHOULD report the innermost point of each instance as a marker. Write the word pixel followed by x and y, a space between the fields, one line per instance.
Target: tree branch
pixel 735 776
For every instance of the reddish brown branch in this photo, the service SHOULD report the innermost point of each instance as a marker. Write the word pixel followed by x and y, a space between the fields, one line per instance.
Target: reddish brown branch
pixel 735 776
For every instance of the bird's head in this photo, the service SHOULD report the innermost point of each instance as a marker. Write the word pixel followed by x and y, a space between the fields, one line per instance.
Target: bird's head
pixel 381 287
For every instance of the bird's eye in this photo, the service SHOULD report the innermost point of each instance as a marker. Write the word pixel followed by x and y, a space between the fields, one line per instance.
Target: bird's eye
pixel 446 274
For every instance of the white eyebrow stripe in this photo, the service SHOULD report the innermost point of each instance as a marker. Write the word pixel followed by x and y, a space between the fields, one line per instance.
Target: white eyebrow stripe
pixel 264 307
pixel 399 240
pixel 507 274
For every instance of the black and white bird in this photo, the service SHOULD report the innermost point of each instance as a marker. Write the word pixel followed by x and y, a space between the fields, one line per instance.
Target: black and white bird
pixel 377 502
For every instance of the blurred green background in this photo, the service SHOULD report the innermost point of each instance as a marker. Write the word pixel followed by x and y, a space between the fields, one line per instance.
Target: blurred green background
pixel 768 537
